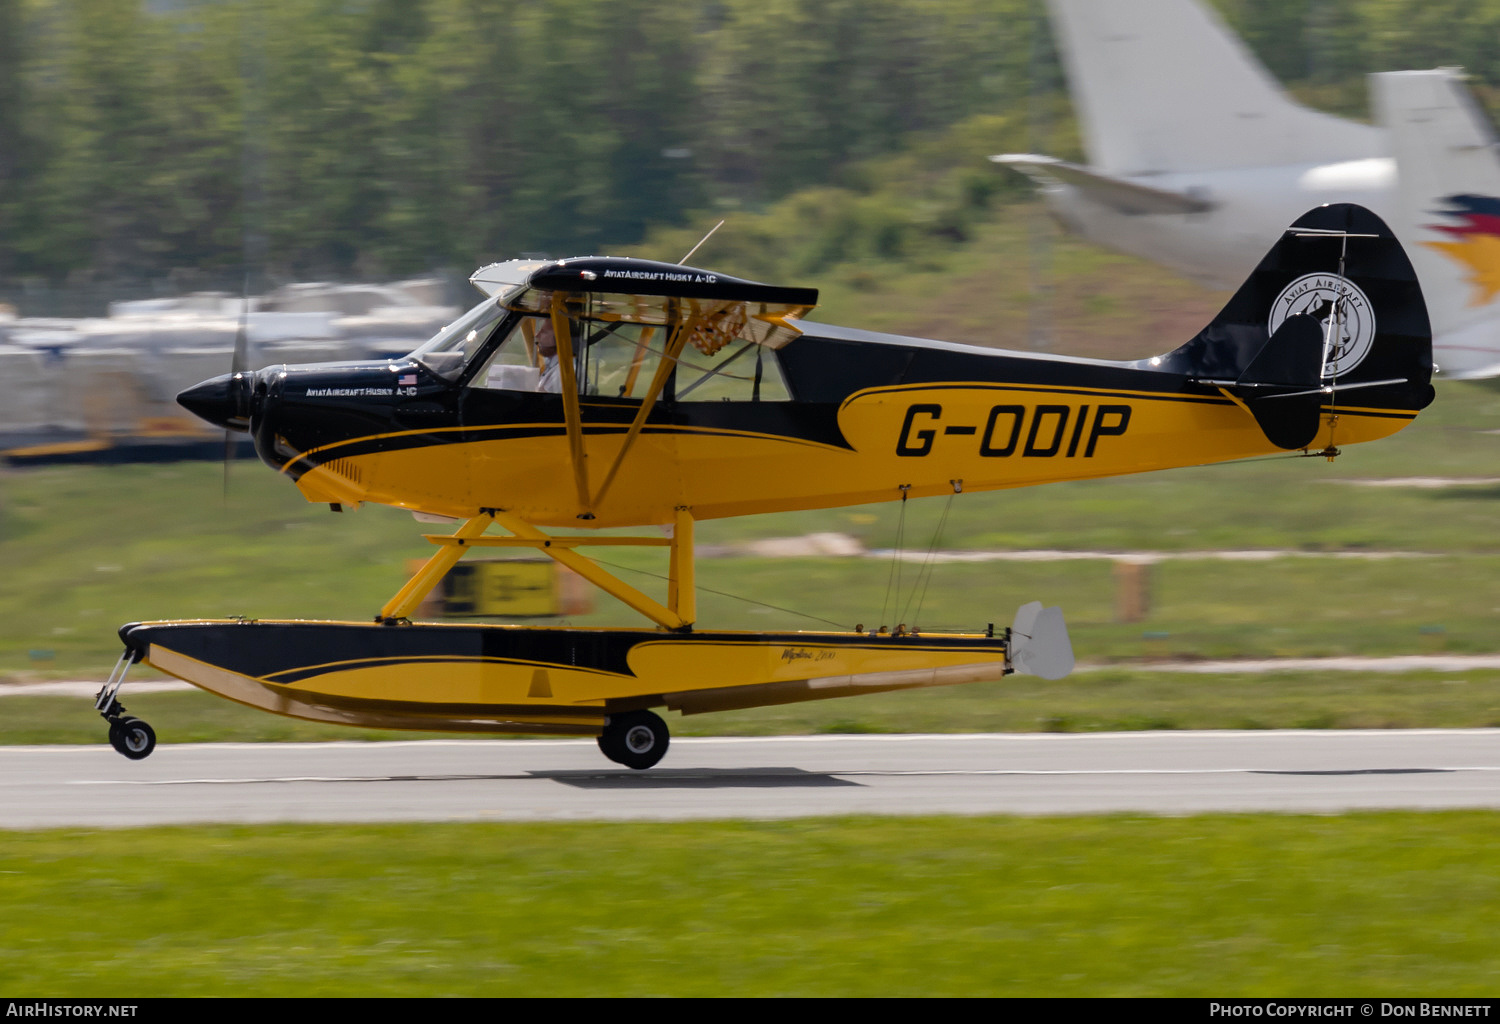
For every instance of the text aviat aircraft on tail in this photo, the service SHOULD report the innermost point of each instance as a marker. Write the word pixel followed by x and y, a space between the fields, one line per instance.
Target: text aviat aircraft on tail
pixel 683 395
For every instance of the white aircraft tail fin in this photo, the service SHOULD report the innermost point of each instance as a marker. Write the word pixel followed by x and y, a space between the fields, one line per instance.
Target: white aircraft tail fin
pixel 1447 209
pixel 1163 85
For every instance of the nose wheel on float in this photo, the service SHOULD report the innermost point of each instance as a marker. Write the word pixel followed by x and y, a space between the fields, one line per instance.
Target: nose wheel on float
pixel 127 734
pixel 131 736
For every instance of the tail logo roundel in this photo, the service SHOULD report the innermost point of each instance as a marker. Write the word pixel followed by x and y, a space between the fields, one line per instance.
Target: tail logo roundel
pixel 1344 311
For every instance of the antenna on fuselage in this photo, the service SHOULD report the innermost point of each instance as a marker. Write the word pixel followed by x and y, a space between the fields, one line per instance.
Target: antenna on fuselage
pixel 701 241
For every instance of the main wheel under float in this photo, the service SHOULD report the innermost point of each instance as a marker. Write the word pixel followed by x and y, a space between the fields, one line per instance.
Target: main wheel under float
pixel 636 739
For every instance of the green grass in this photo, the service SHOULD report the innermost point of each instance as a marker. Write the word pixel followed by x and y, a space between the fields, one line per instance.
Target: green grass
pixel 1242 905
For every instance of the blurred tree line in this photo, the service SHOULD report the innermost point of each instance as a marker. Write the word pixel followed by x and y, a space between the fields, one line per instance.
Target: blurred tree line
pixel 384 137
pixel 390 136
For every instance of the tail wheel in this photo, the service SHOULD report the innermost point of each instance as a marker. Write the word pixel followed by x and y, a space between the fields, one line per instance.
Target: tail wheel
pixel 636 739
pixel 132 737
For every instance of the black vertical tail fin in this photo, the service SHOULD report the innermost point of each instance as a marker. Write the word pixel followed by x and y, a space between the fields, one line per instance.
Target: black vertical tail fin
pixel 1332 315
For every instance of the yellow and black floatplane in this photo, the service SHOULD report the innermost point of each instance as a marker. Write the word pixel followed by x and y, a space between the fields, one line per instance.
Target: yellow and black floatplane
pixel 607 392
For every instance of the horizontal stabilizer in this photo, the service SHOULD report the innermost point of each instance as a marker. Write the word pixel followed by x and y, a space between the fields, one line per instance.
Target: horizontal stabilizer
pixel 1123 196
pixel 1039 643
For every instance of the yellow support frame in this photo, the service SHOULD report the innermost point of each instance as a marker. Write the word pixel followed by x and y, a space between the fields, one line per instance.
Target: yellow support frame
pixel 677 614
pixel 681 609
pixel 573 412
pixel 431 574
pixel 682 593
pixel 638 360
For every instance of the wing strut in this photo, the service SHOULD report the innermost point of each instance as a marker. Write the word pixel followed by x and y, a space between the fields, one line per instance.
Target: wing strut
pixel 573 413
pixel 664 370
pixel 563 333
pixel 431 574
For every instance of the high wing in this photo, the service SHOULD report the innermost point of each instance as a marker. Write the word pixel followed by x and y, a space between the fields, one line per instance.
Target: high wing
pixel 612 289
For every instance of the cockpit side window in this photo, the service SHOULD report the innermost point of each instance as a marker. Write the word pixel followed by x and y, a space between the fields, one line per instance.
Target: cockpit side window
pixel 611 360
pixel 619 360
pixel 516 364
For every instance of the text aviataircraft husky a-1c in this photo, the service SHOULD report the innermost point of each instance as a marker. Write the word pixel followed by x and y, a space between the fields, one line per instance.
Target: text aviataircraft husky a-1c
pixel 682 395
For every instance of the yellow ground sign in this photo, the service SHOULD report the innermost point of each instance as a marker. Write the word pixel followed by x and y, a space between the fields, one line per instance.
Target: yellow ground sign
pixel 510 589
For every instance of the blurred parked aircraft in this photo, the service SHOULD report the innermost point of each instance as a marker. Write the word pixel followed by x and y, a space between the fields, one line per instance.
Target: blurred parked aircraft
pixel 1197 158
pixel 105 388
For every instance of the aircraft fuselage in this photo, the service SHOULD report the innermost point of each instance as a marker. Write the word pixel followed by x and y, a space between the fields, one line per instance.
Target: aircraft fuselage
pixel 867 418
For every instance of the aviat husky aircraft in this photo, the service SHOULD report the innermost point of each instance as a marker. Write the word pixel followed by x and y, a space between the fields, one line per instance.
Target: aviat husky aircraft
pixel 683 395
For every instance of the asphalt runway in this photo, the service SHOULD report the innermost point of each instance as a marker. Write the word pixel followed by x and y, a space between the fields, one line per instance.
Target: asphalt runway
pixel 771 777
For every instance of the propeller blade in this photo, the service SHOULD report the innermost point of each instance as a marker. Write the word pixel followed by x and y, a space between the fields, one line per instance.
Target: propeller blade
pixel 237 364
pixel 242 336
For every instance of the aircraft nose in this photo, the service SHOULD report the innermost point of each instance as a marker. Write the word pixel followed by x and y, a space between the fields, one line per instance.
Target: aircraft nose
pixel 223 401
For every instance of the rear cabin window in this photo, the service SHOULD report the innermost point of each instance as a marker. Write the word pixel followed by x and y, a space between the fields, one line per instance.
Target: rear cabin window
pixel 739 372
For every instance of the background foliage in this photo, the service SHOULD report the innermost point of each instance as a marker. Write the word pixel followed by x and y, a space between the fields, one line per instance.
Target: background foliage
pixel 153 138
pixel 394 135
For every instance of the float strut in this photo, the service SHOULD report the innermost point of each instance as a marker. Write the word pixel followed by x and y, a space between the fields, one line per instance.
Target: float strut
pixel 431 574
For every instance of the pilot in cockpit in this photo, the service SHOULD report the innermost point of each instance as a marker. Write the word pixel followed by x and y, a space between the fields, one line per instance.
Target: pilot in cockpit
pixel 546 346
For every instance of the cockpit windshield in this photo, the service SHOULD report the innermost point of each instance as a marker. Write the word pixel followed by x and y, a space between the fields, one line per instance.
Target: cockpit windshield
pixel 450 349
